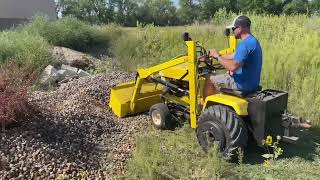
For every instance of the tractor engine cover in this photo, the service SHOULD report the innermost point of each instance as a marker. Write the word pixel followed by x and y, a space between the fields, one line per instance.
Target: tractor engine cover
pixel 265 109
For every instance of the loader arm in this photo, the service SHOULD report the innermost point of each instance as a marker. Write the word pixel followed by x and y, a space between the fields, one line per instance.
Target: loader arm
pixel 143 74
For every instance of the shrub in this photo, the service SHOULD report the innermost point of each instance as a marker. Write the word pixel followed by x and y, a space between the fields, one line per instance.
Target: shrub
pixel 25 49
pixel 14 85
pixel 71 33
pixel 68 32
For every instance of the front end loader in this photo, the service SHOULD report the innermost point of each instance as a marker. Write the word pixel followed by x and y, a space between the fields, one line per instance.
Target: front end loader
pixel 172 91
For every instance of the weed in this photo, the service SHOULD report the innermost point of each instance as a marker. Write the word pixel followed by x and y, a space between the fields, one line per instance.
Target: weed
pixel 316 155
pixel 273 155
pixel 14 86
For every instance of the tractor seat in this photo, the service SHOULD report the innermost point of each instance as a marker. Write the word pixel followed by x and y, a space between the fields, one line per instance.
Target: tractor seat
pixel 237 92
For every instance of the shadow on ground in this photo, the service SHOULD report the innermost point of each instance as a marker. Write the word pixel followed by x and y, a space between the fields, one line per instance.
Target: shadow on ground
pixel 305 148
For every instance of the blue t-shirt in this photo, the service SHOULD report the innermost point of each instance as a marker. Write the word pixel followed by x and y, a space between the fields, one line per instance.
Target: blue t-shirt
pixel 249 54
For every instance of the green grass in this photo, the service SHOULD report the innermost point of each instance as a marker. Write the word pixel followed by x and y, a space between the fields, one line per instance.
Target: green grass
pixel 174 155
pixel 177 155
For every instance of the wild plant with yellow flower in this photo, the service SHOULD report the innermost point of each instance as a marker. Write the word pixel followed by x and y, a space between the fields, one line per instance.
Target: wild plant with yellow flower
pixel 271 155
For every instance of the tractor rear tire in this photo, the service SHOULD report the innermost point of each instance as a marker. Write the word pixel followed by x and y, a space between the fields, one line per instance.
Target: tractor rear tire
pixel 221 125
pixel 160 116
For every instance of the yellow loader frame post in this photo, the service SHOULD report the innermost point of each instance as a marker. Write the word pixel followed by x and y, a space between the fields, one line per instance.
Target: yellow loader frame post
pixel 192 63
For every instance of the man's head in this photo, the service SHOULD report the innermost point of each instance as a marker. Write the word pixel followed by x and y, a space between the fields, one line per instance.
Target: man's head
pixel 240 25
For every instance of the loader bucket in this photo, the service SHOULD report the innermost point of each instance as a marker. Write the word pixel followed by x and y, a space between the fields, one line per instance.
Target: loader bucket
pixel 121 95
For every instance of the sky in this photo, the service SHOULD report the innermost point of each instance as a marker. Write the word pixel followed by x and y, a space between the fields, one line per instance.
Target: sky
pixel 175 2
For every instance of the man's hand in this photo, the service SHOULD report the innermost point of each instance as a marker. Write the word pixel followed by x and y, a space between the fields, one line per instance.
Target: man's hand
pixel 229 72
pixel 214 53
pixel 203 58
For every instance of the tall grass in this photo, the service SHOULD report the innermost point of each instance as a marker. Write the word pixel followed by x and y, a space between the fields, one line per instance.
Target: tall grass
pixel 25 48
pixel 291 57
pixel 177 155
pixel 292 60
pixel 174 155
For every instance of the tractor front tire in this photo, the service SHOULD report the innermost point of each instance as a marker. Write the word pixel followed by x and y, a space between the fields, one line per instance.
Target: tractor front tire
pixel 221 125
pixel 160 116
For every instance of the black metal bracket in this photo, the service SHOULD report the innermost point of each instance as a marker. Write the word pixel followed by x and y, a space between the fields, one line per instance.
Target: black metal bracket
pixel 171 87
pixel 289 122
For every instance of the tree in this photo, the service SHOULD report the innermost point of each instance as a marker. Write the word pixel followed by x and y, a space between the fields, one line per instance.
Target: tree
pixel 296 7
pixel 260 6
pixel 93 11
pixel 126 12
pixel 189 11
pixel 159 12
pixel 207 9
pixel 315 6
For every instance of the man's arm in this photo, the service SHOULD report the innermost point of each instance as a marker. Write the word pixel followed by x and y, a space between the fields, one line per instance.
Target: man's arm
pixel 230 65
pixel 227 56
pixel 226 60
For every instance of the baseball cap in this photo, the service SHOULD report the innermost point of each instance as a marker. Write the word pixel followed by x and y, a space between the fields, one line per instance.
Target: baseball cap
pixel 240 21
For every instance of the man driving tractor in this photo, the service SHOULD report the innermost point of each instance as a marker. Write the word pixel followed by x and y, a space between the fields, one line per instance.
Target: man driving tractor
pixel 170 91
pixel 243 67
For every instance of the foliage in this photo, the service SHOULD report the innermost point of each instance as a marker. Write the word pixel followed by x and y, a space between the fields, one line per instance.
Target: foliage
pixel 174 155
pixel 177 155
pixel 97 11
pixel 14 84
pixel 296 7
pixel 294 168
pixel 163 12
pixel 67 32
pixel 261 6
pixel 276 151
pixel 188 11
pixel 316 155
pixel 25 48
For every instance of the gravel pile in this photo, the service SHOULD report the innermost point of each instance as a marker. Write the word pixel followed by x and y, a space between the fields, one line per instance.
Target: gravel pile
pixel 74 135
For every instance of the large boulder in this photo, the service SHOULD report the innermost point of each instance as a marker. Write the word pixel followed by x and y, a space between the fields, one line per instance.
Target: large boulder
pixel 68 71
pixel 74 58
pixel 49 77
pixel 53 77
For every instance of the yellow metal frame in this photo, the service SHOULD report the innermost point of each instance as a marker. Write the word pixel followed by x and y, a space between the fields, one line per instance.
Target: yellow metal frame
pixel 145 73
pixel 239 105
pixel 232 46
pixel 145 93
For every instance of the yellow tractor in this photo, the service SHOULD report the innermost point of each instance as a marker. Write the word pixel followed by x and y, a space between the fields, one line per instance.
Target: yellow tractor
pixel 173 90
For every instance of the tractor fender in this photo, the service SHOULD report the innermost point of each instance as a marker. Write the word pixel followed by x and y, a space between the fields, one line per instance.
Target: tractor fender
pixel 239 105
